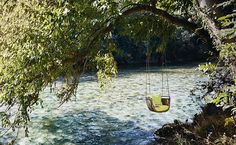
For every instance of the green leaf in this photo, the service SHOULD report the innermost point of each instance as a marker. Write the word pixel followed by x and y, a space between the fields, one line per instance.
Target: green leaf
pixel 228 121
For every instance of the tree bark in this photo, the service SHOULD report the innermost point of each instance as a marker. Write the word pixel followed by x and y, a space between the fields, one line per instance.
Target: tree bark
pixel 208 22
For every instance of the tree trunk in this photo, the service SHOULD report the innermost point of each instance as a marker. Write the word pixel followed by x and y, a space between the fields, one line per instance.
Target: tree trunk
pixel 206 12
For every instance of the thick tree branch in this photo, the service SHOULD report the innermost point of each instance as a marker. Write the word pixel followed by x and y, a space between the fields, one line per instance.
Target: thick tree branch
pixel 209 24
pixel 163 14
pixel 211 27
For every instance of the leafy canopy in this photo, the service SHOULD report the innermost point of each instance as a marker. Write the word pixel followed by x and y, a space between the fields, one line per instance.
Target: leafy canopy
pixel 43 40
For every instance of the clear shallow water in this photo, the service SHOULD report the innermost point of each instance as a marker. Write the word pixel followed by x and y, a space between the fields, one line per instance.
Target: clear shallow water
pixel 115 116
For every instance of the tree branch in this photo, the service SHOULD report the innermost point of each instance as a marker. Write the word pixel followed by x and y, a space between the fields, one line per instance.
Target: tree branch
pixel 5 2
pixel 163 14
pixel 210 24
pixel 153 2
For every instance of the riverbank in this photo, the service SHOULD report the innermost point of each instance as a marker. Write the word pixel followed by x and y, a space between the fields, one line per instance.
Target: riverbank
pixel 208 127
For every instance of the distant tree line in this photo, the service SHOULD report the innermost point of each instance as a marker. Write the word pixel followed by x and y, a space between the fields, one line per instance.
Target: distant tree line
pixel 183 48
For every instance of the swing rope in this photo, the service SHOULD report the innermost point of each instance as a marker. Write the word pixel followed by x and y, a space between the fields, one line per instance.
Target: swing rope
pixel 167 78
pixel 148 78
pixel 164 65
pixel 148 81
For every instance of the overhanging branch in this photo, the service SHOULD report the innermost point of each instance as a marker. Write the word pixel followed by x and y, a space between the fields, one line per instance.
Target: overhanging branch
pixel 161 13
pixel 168 17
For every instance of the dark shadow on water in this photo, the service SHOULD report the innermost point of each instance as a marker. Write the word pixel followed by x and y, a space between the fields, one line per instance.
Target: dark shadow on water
pixel 94 128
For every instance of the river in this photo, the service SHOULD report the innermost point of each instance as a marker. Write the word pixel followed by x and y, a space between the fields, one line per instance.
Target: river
pixel 117 115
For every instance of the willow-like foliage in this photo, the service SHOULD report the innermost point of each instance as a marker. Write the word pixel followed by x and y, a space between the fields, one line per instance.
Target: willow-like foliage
pixel 40 41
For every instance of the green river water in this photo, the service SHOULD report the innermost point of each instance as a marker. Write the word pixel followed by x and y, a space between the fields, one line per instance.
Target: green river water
pixel 117 115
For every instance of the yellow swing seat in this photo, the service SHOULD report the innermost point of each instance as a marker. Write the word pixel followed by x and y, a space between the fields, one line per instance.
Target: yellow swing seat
pixel 158 103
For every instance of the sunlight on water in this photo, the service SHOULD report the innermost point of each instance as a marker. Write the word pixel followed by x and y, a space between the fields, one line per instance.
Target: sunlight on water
pixel 117 115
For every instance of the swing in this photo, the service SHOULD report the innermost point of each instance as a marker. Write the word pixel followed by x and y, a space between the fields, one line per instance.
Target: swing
pixel 156 103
